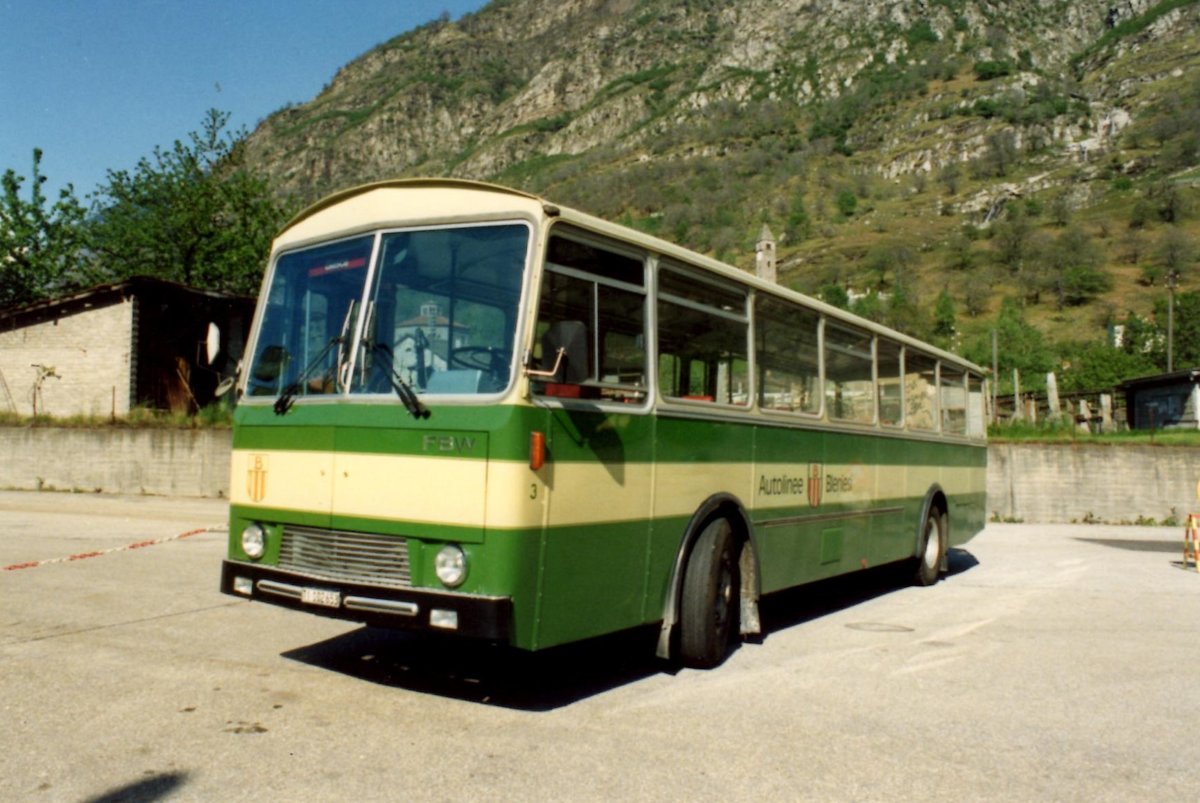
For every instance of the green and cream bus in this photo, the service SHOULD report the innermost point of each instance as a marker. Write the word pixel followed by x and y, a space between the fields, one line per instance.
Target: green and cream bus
pixel 466 409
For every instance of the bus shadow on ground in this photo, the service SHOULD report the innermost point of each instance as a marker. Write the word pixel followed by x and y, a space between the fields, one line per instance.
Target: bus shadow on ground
pixel 543 681
pixel 486 673
pixel 785 609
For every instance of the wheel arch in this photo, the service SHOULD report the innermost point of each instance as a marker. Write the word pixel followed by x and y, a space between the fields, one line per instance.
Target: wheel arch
pixel 730 508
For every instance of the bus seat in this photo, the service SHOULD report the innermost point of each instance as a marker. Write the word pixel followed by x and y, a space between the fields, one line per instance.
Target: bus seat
pixel 455 381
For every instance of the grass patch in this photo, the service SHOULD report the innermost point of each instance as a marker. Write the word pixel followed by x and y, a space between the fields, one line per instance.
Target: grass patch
pixel 1050 432
pixel 214 416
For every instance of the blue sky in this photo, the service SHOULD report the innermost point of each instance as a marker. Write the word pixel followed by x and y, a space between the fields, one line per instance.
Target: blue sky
pixel 97 84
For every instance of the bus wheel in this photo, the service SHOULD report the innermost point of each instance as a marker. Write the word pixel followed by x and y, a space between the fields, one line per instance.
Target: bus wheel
pixel 933 546
pixel 709 609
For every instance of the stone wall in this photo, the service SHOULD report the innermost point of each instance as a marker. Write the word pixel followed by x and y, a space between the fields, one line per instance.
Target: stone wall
pixel 1029 482
pixel 89 352
pixel 1092 482
pixel 168 462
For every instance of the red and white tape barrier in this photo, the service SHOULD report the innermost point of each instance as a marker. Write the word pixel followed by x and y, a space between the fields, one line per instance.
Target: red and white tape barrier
pixel 84 555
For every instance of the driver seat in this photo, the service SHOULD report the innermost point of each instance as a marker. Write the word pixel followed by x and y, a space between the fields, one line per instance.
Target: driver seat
pixel 455 381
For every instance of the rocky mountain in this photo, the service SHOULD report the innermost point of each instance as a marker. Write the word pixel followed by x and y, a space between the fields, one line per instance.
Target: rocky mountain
pixel 888 144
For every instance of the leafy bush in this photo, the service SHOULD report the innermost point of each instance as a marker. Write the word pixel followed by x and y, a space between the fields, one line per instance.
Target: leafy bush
pixel 991 70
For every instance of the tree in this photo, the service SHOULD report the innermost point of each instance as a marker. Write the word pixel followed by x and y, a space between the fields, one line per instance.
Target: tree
pixel 1187 328
pixel 1099 366
pixel 1012 239
pixel 944 324
pixel 1078 262
pixel 1020 346
pixel 1143 337
pixel 41 250
pixel 1176 251
pixel 195 214
pixel 961 254
pixel 835 295
pixel 977 293
pixel 799 225
pixel 1169 201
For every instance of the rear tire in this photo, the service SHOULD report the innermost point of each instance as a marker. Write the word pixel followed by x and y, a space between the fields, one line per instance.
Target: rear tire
pixel 709 608
pixel 932 548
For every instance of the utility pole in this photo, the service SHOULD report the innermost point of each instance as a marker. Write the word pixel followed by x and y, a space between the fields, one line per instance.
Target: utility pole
pixel 995 377
pixel 1172 279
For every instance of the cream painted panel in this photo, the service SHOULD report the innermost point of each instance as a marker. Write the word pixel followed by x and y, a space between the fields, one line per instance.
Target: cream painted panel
pixel 388 205
pixel 516 495
pixel 282 479
pixel 584 493
pixel 439 490
pixel 683 487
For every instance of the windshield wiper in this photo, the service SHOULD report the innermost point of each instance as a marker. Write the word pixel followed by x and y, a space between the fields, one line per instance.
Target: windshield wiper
pixel 404 390
pixel 288 397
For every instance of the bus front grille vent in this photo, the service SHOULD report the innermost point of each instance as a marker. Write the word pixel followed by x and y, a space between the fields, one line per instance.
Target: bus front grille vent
pixel 380 560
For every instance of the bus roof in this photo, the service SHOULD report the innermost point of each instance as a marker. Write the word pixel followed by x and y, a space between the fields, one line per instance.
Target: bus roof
pixel 623 233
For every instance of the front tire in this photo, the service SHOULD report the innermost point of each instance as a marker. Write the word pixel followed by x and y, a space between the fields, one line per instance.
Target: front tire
pixel 932 548
pixel 709 608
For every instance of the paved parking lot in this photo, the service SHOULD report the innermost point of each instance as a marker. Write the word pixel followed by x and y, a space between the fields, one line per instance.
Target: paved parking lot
pixel 1054 663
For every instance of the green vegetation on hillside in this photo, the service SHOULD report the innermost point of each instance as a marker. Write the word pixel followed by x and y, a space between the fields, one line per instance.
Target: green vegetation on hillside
pixel 950 169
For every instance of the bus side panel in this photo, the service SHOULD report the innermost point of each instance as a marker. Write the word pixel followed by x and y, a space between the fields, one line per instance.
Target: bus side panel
pixel 788 479
pixel 966 486
pixel 851 472
pixel 904 476
pixel 694 459
pixel 592 576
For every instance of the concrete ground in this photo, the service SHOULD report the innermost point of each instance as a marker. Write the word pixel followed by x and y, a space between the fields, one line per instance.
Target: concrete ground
pixel 1053 663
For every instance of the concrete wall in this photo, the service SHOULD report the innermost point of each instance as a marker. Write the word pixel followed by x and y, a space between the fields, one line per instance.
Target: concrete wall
pixel 1085 482
pixel 89 352
pixel 1030 482
pixel 170 462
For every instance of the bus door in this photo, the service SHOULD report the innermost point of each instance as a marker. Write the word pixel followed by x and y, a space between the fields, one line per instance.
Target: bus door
pixel 591 346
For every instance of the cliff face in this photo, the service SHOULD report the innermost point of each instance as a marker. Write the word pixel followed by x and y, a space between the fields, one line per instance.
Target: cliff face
pixel 845 125
pixel 532 79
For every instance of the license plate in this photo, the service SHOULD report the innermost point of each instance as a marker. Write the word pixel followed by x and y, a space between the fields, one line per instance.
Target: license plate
pixel 321 596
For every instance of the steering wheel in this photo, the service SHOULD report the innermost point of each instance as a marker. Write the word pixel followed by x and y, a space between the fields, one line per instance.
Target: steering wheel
pixel 493 361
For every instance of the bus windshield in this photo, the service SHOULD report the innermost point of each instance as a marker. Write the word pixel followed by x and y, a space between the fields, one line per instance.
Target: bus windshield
pixel 431 309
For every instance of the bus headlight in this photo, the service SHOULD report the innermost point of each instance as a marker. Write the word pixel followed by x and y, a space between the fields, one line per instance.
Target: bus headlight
pixel 254 541
pixel 450 566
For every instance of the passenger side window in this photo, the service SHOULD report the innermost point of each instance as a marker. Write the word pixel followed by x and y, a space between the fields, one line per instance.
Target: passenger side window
pixel 953 400
pixel 849 378
pixel 920 391
pixel 976 406
pixel 789 367
pixel 890 383
pixel 591 339
pixel 703 333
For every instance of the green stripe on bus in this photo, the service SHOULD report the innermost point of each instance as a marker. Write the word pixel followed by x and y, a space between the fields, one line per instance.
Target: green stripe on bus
pixel 582 436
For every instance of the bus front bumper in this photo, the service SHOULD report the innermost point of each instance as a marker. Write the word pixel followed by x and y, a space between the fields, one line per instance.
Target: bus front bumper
pixel 488 618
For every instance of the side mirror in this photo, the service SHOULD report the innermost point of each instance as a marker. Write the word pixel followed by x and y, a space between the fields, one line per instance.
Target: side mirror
pixel 212 343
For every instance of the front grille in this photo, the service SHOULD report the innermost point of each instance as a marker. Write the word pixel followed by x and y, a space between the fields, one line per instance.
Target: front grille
pixel 380 560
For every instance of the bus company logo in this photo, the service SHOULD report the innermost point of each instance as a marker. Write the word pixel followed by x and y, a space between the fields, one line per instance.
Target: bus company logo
pixel 815 481
pixel 256 478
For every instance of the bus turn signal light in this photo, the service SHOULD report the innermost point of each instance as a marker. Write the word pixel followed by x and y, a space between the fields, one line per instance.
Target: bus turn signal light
pixel 537 450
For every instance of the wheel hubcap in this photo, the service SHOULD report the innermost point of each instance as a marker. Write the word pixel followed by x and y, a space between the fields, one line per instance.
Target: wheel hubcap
pixel 932 547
